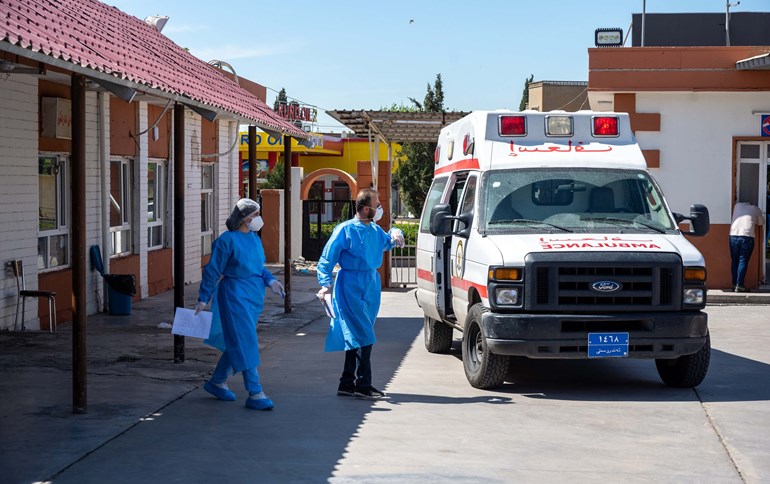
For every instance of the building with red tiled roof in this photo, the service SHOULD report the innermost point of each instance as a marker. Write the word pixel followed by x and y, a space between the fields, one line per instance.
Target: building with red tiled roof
pixel 101 119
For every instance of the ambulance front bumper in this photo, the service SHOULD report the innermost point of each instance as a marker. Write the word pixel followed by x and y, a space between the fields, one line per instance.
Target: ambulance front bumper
pixel 650 335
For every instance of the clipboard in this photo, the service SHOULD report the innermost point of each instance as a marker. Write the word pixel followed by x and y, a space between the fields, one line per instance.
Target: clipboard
pixel 187 323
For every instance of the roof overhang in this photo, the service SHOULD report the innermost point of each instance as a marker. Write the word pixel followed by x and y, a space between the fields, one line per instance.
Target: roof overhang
pixel 756 63
pixel 394 126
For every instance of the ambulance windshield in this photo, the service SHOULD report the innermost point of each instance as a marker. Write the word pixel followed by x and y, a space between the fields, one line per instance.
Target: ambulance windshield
pixel 572 200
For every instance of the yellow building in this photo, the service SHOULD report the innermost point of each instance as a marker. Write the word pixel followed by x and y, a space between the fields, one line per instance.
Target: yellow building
pixel 337 155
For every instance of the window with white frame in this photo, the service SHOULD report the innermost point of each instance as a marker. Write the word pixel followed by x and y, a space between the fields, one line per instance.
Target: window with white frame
pixel 120 205
pixel 53 211
pixel 156 197
pixel 207 207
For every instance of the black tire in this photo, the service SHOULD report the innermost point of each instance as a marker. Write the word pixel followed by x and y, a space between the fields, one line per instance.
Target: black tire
pixel 686 371
pixel 482 368
pixel 438 336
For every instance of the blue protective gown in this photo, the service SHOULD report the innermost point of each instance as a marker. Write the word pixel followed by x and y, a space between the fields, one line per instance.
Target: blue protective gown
pixel 358 248
pixel 239 259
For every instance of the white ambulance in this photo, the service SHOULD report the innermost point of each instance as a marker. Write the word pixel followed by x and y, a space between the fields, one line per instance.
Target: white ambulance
pixel 543 235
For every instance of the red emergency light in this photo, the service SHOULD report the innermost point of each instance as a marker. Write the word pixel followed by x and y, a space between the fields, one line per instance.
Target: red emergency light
pixel 606 126
pixel 513 126
pixel 436 154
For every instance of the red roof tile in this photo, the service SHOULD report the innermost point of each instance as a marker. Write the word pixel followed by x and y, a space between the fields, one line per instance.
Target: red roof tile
pixel 102 38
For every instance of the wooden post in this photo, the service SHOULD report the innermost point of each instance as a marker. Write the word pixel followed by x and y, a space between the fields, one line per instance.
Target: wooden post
pixel 179 145
pixel 253 163
pixel 287 222
pixel 78 234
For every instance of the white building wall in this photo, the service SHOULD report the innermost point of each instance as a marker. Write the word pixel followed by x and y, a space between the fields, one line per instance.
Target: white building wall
pixel 192 199
pixel 93 196
pixel 18 191
pixel 226 192
pixel 140 200
pixel 696 144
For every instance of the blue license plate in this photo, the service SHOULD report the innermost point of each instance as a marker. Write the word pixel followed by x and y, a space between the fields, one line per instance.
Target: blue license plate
pixel 607 345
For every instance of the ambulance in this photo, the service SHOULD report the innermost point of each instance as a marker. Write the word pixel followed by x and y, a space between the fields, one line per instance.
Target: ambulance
pixel 544 235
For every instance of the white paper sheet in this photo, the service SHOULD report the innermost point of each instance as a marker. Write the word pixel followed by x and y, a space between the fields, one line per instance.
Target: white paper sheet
pixel 186 323
pixel 327 302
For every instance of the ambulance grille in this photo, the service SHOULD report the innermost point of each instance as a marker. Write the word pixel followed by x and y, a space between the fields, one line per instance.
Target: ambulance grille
pixel 632 282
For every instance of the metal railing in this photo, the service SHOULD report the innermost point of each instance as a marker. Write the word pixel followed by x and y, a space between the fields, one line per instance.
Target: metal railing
pixel 403 266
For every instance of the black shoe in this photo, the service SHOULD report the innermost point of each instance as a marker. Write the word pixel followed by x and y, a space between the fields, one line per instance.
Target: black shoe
pixel 346 390
pixel 369 392
pixel 740 288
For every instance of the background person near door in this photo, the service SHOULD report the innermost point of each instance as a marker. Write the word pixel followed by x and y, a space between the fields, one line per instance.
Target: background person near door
pixel 357 245
pixel 745 217
pixel 236 277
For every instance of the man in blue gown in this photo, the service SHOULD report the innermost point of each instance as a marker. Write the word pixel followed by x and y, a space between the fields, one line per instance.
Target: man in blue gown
pixel 236 277
pixel 357 245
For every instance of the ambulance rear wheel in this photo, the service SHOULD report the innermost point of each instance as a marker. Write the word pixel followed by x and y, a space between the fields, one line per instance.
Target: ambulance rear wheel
pixel 483 369
pixel 686 371
pixel 438 336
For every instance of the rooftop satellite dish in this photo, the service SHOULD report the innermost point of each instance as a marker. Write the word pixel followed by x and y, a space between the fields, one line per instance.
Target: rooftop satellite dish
pixel 158 22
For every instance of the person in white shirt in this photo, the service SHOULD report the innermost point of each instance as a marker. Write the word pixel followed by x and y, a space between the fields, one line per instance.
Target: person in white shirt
pixel 745 217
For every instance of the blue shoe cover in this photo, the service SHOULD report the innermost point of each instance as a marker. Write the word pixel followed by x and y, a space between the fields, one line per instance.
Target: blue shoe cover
pixel 262 403
pixel 221 393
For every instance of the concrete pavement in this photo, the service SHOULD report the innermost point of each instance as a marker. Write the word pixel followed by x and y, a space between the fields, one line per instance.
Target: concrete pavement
pixel 149 420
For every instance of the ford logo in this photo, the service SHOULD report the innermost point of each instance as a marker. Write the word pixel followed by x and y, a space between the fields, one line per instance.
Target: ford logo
pixel 606 286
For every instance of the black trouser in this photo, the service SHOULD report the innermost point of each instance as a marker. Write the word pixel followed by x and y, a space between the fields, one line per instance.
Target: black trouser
pixel 358 368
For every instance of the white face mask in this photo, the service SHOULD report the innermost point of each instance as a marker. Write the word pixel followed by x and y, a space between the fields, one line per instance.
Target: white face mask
pixel 256 224
pixel 378 214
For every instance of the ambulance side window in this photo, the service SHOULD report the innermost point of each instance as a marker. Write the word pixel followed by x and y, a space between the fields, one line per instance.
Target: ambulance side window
pixel 433 199
pixel 468 198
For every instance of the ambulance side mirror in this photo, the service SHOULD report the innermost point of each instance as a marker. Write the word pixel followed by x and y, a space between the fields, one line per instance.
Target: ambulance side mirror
pixel 441 220
pixel 464 224
pixel 699 219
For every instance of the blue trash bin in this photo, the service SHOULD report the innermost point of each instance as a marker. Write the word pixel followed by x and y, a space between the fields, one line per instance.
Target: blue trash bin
pixel 120 289
pixel 120 304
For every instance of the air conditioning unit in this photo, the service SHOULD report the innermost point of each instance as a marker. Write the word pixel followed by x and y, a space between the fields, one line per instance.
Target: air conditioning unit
pixel 56 118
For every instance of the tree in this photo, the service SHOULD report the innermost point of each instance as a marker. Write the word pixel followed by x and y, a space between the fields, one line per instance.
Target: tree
pixel 274 177
pixel 525 94
pixel 281 99
pixel 415 170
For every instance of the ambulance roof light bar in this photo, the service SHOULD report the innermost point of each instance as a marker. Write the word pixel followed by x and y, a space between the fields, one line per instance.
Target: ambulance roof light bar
pixel 512 126
pixel 558 126
pixel 605 126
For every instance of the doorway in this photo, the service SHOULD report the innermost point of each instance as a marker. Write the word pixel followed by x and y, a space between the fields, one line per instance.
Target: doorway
pixel 753 186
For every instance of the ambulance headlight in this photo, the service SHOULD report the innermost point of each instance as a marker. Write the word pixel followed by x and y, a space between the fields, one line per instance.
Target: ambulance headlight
pixel 506 296
pixel 692 296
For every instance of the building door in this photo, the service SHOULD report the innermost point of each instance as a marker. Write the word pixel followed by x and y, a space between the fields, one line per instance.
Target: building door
pixel 340 191
pixel 753 186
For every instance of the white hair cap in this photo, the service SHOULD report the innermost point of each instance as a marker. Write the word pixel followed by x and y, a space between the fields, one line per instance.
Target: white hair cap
pixel 243 208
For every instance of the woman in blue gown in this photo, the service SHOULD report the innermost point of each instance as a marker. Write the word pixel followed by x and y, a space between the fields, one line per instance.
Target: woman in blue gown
pixel 236 278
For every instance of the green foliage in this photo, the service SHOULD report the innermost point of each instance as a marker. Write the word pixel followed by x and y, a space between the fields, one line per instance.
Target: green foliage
pixel 434 98
pixel 415 174
pixel 410 231
pixel 281 99
pixel 400 108
pixel 274 177
pixel 415 170
pixel 326 229
pixel 525 94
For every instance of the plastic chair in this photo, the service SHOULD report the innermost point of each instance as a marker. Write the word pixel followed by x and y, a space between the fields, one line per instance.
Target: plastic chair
pixel 23 294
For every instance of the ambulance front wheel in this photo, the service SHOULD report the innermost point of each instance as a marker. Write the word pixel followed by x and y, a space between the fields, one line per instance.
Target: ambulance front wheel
pixel 438 336
pixel 483 369
pixel 686 371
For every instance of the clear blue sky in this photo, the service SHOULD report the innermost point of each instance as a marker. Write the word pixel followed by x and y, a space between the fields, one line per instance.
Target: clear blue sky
pixel 342 54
